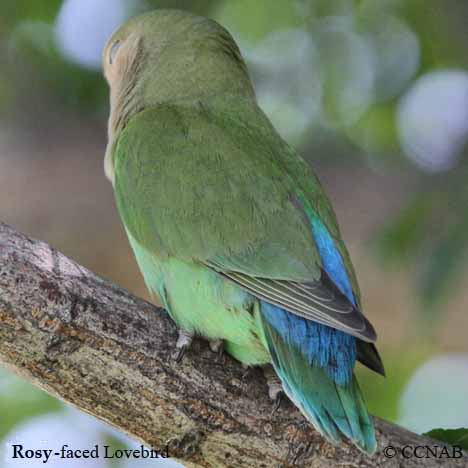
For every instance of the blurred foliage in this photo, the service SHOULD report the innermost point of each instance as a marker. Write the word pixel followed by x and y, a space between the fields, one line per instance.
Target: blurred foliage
pixel 383 393
pixel 455 437
pixel 29 47
pixel 430 232
pixel 20 401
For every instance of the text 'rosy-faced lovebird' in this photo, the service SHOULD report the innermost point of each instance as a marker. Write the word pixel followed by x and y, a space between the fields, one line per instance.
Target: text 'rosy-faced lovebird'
pixel 229 226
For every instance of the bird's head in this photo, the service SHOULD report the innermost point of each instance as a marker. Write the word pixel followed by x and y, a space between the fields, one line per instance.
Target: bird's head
pixel 171 55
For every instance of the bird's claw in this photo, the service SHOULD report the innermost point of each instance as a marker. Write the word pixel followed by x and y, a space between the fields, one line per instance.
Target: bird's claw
pixel 277 401
pixel 245 372
pixel 217 347
pixel 275 387
pixel 180 353
pixel 184 340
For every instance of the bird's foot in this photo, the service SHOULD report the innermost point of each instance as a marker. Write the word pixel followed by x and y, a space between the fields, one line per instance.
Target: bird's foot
pixel 275 387
pixel 277 401
pixel 245 372
pixel 217 347
pixel 184 340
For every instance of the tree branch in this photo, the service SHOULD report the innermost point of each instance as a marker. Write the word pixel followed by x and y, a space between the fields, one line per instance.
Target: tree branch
pixel 109 353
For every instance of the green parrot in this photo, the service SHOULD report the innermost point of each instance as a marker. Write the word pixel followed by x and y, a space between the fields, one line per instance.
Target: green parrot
pixel 229 226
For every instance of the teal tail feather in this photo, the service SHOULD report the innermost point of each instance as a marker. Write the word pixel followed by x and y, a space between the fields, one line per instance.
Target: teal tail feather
pixel 334 409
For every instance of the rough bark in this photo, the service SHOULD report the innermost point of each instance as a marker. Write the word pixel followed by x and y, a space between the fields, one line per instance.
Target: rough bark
pixel 109 353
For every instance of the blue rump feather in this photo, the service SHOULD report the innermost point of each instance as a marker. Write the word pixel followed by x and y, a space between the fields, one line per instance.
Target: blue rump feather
pixel 326 347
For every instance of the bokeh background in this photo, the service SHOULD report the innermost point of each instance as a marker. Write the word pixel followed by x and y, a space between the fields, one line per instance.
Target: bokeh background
pixel 375 97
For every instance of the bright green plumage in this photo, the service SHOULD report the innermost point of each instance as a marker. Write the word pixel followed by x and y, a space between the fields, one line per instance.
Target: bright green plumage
pixel 220 213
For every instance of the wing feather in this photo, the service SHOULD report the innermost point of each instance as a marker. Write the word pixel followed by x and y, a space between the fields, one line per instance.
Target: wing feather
pixel 319 300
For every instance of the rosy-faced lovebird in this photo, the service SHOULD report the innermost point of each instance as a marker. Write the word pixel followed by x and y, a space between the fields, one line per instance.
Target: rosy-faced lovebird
pixel 230 227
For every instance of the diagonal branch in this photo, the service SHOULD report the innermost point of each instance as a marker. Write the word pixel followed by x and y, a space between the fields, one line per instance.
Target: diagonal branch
pixel 107 352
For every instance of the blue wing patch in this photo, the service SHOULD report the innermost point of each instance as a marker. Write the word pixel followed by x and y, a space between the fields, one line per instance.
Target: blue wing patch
pixel 331 258
pixel 331 349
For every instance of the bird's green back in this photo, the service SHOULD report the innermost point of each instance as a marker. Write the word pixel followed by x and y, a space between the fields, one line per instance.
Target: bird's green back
pixel 214 181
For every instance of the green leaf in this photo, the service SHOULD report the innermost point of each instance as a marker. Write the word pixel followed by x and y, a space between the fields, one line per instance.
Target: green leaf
pixel 253 21
pixel 20 401
pixel 457 437
pixel 401 238
pixel 444 263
